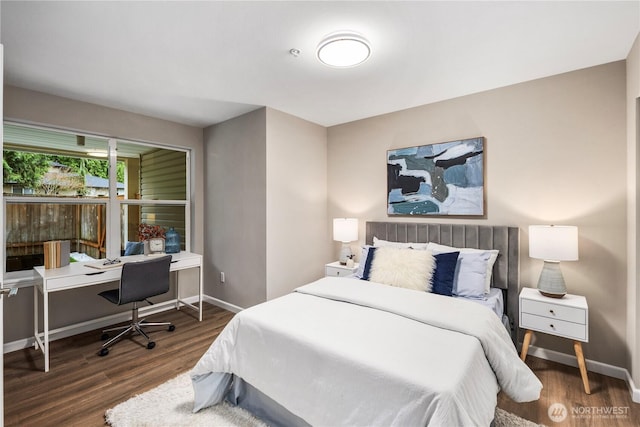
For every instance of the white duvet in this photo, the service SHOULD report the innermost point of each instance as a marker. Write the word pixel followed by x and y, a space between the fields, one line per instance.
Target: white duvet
pixel 343 351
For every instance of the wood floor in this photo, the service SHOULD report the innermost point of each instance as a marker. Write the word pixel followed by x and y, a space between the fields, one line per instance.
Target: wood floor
pixel 81 386
pixel 609 403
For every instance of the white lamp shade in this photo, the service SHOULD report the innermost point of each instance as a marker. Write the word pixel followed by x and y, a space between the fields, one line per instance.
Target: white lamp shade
pixel 345 229
pixel 553 242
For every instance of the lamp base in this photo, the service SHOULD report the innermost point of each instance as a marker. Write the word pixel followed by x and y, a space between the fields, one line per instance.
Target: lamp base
pixel 547 294
pixel 345 254
pixel 551 282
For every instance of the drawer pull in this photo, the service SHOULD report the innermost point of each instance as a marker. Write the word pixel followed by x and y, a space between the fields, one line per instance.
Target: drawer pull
pixel 551 326
pixel 551 311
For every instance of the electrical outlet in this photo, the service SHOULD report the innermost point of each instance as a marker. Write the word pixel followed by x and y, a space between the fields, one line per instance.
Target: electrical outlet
pixel 222 277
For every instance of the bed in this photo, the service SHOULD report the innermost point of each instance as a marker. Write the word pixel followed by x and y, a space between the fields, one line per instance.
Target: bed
pixel 347 351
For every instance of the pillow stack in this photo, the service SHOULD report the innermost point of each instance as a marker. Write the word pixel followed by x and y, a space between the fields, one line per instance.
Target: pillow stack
pixel 473 270
pixel 429 267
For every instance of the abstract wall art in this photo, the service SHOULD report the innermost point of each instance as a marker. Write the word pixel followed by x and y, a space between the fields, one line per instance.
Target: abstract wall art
pixel 437 180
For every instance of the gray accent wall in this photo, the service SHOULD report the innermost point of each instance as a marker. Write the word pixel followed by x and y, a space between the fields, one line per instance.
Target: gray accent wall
pixel 235 209
pixel 266 216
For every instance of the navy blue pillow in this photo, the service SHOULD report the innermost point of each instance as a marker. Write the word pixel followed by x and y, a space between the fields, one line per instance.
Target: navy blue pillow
pixel 444 273
pixel 367 264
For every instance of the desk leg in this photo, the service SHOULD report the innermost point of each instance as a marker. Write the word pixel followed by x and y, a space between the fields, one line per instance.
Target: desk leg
pixel 176 275
pixel 45 309
pixel 35 317
pixel 525 344
pixel 577 347
pixel 200 296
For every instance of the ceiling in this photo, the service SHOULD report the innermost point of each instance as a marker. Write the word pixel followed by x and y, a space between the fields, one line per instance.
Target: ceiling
pixel 201 63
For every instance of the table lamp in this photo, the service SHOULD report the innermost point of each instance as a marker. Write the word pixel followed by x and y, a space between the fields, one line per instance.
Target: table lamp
pixel 345 230
pixel 553 243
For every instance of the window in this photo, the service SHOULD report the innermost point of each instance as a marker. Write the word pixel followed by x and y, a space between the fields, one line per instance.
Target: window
pixel 157 179
pixel 59 185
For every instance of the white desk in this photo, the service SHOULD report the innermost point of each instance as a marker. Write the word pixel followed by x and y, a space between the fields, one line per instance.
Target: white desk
pixel 78 274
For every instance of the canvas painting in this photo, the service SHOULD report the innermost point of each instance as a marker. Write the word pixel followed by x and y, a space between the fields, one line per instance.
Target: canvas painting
pixel 438 179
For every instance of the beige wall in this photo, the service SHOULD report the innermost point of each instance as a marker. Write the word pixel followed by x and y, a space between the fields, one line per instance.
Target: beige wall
pixel 39 108
pixel 633 160
pixel 298 244
pixel 555 154
pixel 235 209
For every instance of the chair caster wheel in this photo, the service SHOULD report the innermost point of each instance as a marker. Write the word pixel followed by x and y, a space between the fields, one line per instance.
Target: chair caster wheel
pixel 171 328
pixel 150 345
pixel 104 336
pixel 103 352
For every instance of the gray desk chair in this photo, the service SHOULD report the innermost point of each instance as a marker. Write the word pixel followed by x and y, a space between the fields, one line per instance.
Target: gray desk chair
pixel 139 281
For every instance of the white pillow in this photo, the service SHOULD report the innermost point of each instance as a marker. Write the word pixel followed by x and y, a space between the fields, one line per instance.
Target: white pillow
pixel 378 243
pixel 493 255
pixel 405 268
pixel 362 261
pixel 469 278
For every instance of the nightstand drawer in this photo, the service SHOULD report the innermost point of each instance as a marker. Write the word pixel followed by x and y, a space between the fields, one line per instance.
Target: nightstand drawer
pixel 562 328
pixel 554 311
pixel 337 271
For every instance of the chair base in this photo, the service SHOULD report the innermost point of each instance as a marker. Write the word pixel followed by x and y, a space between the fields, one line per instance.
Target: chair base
pixel 136 326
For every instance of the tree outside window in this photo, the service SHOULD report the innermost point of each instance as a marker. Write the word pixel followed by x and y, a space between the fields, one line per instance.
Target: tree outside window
pixel 54 175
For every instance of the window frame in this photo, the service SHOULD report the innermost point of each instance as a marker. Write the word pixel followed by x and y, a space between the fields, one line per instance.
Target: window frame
pixel 113 204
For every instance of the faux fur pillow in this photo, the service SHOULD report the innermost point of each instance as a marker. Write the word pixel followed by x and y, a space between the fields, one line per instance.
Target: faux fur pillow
pixel 405 268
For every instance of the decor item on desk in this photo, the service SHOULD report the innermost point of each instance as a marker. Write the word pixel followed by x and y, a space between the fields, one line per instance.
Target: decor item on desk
pixel 133 248
pixel 553 243
pixel 147 231
pixel 154 246
pixel 345 230
pixel 438 179
pixel 56 253
pixel 153 238
pixel 172 241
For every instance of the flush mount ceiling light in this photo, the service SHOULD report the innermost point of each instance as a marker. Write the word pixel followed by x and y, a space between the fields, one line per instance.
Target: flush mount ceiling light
pixel 343 49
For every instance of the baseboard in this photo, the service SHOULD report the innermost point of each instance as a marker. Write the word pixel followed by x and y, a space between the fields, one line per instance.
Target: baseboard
pixel 102 322
pixel 635 391
pixel 222 304
pixel 593 366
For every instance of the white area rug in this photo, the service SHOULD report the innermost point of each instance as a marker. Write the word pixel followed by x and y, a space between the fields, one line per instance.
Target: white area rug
pixel 170 405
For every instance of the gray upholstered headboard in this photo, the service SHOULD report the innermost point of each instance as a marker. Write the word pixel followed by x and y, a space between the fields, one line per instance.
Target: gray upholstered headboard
pixel 506 239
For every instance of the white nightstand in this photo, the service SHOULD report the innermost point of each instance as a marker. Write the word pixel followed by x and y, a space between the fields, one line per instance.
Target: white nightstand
pixel 335 269
pixel 566 317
